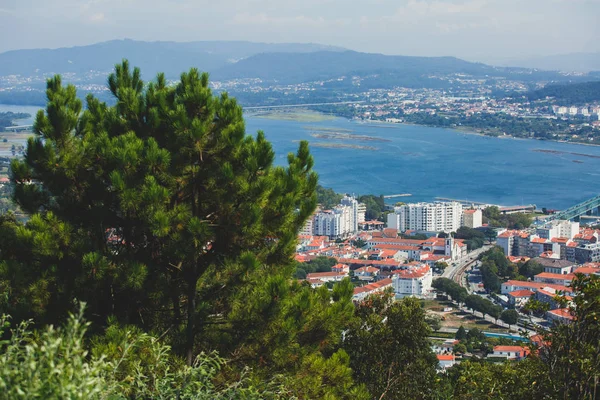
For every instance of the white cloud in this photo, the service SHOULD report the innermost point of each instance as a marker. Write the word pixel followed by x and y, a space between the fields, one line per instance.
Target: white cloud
pixel 98 17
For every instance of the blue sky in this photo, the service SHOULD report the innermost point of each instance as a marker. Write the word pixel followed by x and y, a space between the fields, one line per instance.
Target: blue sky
pixel 484 30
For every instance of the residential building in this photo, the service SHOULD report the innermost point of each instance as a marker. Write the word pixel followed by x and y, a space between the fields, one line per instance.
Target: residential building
pixel 309 226
pixel 446 361
pixel 367 273
pixel 360 293
pixel 585 253
pixel 510 352
pixel 362 211
pixel 518 298
pixel 413 281
pixel 354 212
pixel 327 276
pixel 558 229
pixel 555 266
pixel 426 217
pixel 511 286
pixel 557 279
pixel 562 315
pixel 472 218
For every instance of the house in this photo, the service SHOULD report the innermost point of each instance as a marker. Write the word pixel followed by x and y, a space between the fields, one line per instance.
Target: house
pixel 562 315
pixel 366 273
pixel 446 347
pixel 510 352
pixel 327 276
pixel 548 295
pixel 413 281
pixel 446 361
pixel 341 268
pixel 555 266
pixel 360 293
pixel 557 279
pixel 518 298
pixel 512 285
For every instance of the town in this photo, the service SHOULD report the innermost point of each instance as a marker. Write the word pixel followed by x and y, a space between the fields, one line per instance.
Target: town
pixel 418 253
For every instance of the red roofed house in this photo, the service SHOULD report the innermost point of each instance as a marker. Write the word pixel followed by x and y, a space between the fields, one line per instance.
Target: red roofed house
pixel 562 315
pixel 511 286
pixel 511 352
pixel 366 273
pixel 341 268
pixel 558 279
pixel 414 281
pixel 327 276
pixel 518 298
pixel 446 360
pixel 360 293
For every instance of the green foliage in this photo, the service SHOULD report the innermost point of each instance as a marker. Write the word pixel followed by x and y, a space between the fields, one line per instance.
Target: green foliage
pixel 434 322
pixel 567 367
pixel 375 206
pixel 569 94
pixel 359 243
pixel 440 265
pixel 161 213
pixel 451 288
pixel 493 217
pixel 483 305
pixel 509 316
pixel 319 264
pixel 389 350
pixel 7 118
pixel 327 198
pixel 530 269
pixel 495 268
pixel 55 364
pixel 473 238
pixel 461 333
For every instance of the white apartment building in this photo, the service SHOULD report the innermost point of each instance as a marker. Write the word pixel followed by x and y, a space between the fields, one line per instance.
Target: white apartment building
pixel 412 282
pixel 558 229
pixel 426 217
pixel 308 228
pixel 472 218
pixel 340 222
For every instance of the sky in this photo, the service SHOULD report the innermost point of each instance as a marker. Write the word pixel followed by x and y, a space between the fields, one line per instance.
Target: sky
pixel 479 30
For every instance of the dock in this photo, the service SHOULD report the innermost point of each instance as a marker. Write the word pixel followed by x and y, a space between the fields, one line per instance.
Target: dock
pixel 391 196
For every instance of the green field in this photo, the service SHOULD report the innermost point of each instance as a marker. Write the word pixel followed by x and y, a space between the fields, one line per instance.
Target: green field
pixel 296 116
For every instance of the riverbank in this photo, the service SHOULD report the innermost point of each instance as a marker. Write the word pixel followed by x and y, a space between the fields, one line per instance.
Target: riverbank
pixel 471 131
pixel 298 115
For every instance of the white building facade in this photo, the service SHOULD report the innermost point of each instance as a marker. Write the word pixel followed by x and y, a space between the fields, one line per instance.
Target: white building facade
pixel 426 217
pixel 340 222
pixel 412 282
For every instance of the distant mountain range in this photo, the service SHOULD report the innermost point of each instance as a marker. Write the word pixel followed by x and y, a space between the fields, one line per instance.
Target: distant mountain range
pixel 573 62
pixel 287 63
pixel 172 58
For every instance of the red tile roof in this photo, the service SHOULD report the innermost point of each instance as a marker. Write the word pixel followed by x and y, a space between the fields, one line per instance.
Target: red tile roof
pixel 521 293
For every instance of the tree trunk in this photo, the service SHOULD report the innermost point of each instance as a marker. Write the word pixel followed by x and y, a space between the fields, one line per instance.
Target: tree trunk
pixel 190 328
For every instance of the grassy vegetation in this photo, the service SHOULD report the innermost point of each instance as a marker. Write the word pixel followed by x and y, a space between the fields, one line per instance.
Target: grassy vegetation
pixel 296 116
pixel 456 318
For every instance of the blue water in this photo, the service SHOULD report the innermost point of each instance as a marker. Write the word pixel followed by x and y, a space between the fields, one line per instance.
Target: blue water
pixel 501 335
pixel 435 162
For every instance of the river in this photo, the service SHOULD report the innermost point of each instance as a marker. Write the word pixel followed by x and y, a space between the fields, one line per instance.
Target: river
pixel 434 162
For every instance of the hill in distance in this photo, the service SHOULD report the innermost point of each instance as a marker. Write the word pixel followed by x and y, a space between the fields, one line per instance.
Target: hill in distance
pixel 286 63
pixel 573 62
pixel 172 58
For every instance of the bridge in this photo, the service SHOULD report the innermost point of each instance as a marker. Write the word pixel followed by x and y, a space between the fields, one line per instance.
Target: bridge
pixel 577 210
pixel 17 128
pixel 302 105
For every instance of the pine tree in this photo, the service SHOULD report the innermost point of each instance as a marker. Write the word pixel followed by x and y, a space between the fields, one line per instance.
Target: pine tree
pixel 161 212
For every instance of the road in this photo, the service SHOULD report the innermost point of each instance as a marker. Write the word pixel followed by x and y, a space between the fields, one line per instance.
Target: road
pixel 457 272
